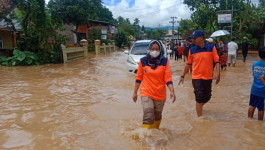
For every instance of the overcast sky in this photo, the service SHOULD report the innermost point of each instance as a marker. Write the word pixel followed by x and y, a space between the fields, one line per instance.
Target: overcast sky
pixel 151 13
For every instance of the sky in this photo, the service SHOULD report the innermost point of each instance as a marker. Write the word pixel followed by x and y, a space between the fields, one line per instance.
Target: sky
pixel 151 13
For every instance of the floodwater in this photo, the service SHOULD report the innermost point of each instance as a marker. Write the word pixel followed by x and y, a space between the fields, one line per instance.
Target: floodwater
pixel 87 104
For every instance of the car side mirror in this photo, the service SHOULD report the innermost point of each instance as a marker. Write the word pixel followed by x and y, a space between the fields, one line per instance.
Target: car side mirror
pixel 126 51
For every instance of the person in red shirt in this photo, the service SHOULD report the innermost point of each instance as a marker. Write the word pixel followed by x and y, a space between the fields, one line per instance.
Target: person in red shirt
pixel 201 56
pixel 223 60
pixel 154 74
pixel 180 51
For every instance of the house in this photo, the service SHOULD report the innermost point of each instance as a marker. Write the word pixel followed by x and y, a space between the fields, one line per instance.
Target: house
pixel 7 38
pixel 176 36
pixel 7 35
pixel 83 31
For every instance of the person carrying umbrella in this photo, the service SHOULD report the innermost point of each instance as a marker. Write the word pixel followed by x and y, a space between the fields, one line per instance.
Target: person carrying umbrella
pixel 201 56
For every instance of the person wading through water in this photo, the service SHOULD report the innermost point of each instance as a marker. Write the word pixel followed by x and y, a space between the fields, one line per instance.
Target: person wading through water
pixel 201 56
pixel 154 74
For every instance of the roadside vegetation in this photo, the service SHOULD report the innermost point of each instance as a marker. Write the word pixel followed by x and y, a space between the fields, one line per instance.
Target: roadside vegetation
pixel 247 18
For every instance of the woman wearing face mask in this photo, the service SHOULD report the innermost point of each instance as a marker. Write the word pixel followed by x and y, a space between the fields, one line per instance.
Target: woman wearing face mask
pixel 154 74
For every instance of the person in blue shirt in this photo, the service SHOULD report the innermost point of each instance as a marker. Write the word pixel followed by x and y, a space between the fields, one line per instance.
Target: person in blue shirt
pixel 262 78
pixel 257 95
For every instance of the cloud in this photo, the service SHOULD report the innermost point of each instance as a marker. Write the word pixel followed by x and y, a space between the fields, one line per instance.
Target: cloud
pixel 151 12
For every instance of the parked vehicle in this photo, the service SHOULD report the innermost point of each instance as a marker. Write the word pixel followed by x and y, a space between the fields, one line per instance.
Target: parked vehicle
pixel 138 50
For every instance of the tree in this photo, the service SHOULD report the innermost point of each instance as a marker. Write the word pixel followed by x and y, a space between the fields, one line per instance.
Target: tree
pixel 121 38
pixel 136 21
pixel 204 17
pixel 36 27
pixel 158 34
pixel 120 20
pixel 127 29
pixel 262 3
pixel 5 7
pixel 105 15
pixel 29 15
pixel 186 27
pixel 246 19
pixel 216 4
pixel 243 16
pixel 143 28
pixel 127 20
pixel 7 13
pixel 76 12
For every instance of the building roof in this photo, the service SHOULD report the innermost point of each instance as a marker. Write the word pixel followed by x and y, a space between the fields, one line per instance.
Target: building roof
pixel 2 28
pixel 169 33
pixel 100 22
pixel 15 22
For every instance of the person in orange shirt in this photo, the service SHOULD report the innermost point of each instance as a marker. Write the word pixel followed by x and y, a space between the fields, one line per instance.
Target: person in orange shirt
pixel 154 74
pixel 202 56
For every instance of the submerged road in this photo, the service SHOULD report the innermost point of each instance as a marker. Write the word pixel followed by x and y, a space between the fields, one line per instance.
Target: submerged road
pixel 87 104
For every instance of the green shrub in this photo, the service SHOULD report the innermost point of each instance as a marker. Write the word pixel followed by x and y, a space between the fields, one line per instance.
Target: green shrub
pixel 105 41
pixel 52 54
pixel 19 58
pixel 91 46
pixel 121 38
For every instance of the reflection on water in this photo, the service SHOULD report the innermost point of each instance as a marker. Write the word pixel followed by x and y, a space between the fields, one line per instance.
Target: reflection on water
pixel 86 104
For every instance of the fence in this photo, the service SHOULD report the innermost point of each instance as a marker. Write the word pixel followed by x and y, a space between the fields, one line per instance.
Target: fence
pixel 103 48
pixel 73 53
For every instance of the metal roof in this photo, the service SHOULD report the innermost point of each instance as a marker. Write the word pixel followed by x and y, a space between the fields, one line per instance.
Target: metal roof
pixel 102 22
pixel 2 28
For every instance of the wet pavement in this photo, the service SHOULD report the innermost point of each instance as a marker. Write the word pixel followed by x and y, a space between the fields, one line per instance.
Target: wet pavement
pixel 87 104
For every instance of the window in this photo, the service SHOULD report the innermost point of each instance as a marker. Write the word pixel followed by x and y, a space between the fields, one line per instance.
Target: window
pixel 140 48
pixel 1 43
pixel 83 36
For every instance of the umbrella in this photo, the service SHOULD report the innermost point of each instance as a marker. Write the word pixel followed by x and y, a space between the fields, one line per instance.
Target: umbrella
pixel 219 33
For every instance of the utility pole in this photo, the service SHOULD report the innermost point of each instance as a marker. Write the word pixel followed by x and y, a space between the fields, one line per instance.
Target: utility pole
pixel 178 32
pixel 232 15
pixel 173 22
pixel 232 18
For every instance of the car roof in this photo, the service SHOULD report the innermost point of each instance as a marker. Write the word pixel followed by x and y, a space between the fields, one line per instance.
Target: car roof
pixel 142 41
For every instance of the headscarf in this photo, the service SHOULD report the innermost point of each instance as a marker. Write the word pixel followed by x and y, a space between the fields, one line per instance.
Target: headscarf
pixel 154 62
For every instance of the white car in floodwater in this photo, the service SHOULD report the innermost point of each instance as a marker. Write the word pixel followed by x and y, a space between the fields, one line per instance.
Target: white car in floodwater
pixel 139 49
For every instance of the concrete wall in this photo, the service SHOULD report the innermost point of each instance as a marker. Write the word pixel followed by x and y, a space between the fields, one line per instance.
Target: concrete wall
pixel 7 39
pixel 68 33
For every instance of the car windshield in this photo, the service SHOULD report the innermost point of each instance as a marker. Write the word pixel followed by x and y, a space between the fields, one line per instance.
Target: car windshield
pixel 140 48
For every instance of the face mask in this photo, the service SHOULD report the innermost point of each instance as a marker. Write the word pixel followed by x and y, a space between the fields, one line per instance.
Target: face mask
pixel 154 53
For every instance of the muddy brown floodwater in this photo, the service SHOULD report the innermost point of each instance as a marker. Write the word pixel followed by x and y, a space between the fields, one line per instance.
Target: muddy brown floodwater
pixel 87 104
